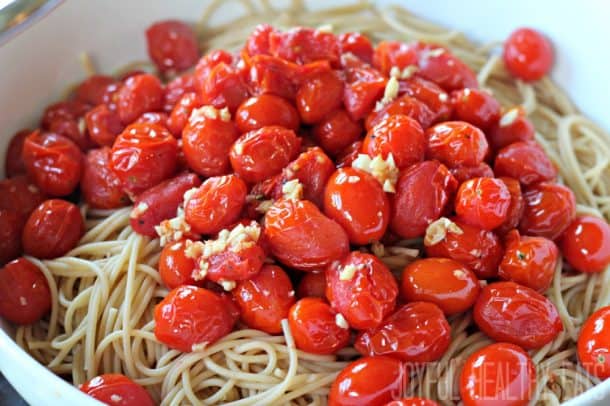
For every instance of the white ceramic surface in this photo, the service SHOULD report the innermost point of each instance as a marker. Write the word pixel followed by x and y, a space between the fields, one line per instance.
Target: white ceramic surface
pixel 36 66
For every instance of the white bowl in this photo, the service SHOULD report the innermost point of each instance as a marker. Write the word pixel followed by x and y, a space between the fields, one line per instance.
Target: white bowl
pixel 37 64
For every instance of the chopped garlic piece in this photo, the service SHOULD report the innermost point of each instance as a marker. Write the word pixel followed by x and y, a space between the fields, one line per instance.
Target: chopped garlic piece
pixel 138 210
pixel 434 53
pixel 389 94
pixel 173 229
pixel 326 28
pixel 188 194
pixel 437 231
pixel 348 271
pixel 385 171
pixel 509 117
pixel 264 206
pixel 211 112
pixel 227 285
pixel 116 398
pixel 199 346
pixel 406 73
pixel 292 190
pixel 341 322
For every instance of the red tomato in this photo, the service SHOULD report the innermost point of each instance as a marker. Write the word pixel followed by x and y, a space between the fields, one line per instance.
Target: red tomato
pixel 443 68
pixel 389 54
pixel 512 127
pixel 463 173
pixel 549 210
pixel 153 118
pixel 258 41
pixel 456 143
pixel 444 282
pixel 52 229
pixel 258 155
pixel 422 192
pixel 405 105
pixel 97 89
pixel 13 161
pixel 72 129
pixel 312 284
pixel 336 132
pixel 172 45
pixel 528 55
pixel 304 45
pixel 362 289
pixel 63 111
pixel 356 44
pixel 507 311
pixel 319 96
pixel 313 324
pixel 500 373
pixel 266 110
pixel 586 244
pixel 265 299
pixel 100 187
pixel 398 135
pixel 209 62
pixel 25 297
pixel 476 107
pixel 139 94
pixel 429 93
pixel 235 263
pixel 54 162
pixel 349 154
pixel 593 344
pixel 143 155
pixel 181 113
pixel 349 198
pixel 178 87
pixel 483 202
pixel 415 333
pixel 191 318
pixel 363 88
pixel 301 237
pixel 515 208
pixel 529 261
pixel 412 402
pixel 103 125
pixel 11 224
pixel 525 161
pixel 269 74
pixel 225 86
pixel 371 381
pixel 160 202
pixel 117 390
pixel 216 204
pixel 175 267
pixel 20 196
pixel 480 250
pixel 313 169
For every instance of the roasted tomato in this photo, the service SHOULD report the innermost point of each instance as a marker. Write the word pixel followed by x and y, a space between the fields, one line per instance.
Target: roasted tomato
pixel 304 45
pixel 319 96
pixel 139 94
pixel 13 160
pixel 312 284
pixel 178 87
pixel 313 169
pixel 24 292
pixel 525 161
pixel 528 54
pixel 11 230
pixel 225 86
pixel 100 186
pixel 97 89
pixel 258 41
pixel 389 54
pixel 181 113
pixel 440 66
pixel 512 127
pixel 515 208
pixel 172 45
pixel 208 62
pixel 549 210
pixel 18 195
pixel 103 125
pixel 593 344
pixel 429 93
pixel 175 267
pixel 117 390
pixel 463 173
pixel 586 244
pixel 336 132
pixel 271 75
pixel 358 45
pixel 456 143
pixel 475 106
pixel 266 110
pixel 64 111
pixel 153 117
pixel 483 202
pixel 363 88
pixel 404 105
pixel 349 154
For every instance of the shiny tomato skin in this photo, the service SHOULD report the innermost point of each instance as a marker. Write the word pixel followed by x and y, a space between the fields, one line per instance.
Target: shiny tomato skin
pixel 139 94
pixel 314 328
pixel 11 225
pixel 444 282
pixel 97 89
pixel 265 299
pixel 225 86
pixel 398 135
pixel 172 45
pixel 319 96
pixel 479 250
pixel 463 173
pixel 153 117
pixel 181 113
pixel 336 132
pixel 499 374
pixel 356 44
pixel 440 66
pixel 456 143
pixel 312 168
pixel 404 105
pixel 103 125
pixel 176 88
pixel 301 237
pixel 417 332
pixel 100 187
pixel 53 162
pixel 258 41
pixel 160 202
pixel 312 284
pixel 271 75
pixel 13 161
pixel 64 110
pixel 585 244
pixel 304 45
pixel 593 344
pixel 363 88
pixel 175 267
pixel 412 402
pixel 349 154
pixel 429 93
pixel 507 311
pixel 513 126
pixel 515 208
pixel 371 381
pixel 349 198
pixel 189 316
pixel 117 390
pixel 71 129
pixel 393 53
pixel 529 261
pixel 266 110
pixel 25 297
pixel 143 155
pixel 422 192
pixel 483 202
pixel 230 266
pixel 525 161
pixel 528 54
pixel 549 210
pixel 475 106
pixel 368 297
pixel 52 229
pixel 260 154
pixel 208 62
pixel 17 194
pixel 216 204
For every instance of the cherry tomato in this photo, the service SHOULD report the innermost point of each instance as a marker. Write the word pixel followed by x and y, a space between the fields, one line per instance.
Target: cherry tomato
pixel 160 202
pixel 191 318
pixel 356 44
pixel 371 381
pixel 525 161
pixel 97 89
pixel 349 154
pixel 479 250
pixel 593 344
pixel 313 169
pixel 349 196
pixel 103 125
pixel 529 261
pixel 515 208
pixel 422 192
pixel 172 45
pixel 216 204
pixel 100 187
pixel 268 74
pixel 389 54
pixel 405 105
pixel 440 66
pixel 139 94
pixel 312 284
pixel 463 173
pixel 175 267
pixel 500 373
pixel 483 202
pixel 429 93
pixel 258 155
pixel 11 224
pixel 209 62
pixel 586 244
pixel 398 135
pixel 181 113
pixel 265 299
pixel 301 237
pixel 117 390
pixel 319 96
pixel 25 297
pixel 54 162
pixel 258 41
pixel 336 132
pixel 456 143
pixel 475 106
pixel 64 110
pixel 363 88
pixel 239 262
pixel 507 311
pixel 549 210
pixel 362 289
pixel 415 333
pixel 153 117
pixel 13 161
pixel 266 110
pixel 304 45
pixel 444 282
pixel 72 129
pixel 528 55
pixel 512 127
pixel 178 87
pixel 313 324
pixel 143 155
pixel 225 86
pixel 19 195
pixel 52 229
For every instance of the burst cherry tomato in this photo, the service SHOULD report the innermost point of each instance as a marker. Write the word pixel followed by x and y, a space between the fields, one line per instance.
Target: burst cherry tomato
pixel 117 390
pixel 512 127
pixel 172 45
pixel 476 107
pixel 304 45
pixel 225 86
pixel 398 135
pixel 312 284
pixel 456 143
pixel 258 41
pixel 405 105
pixel 528 54
pixel 266 110
pixel 13 160
pixel 549 210
pixel 100 187
pixel 506 311
pixel 139 94
pixel 64 111
pixel 586 244
pixel 313 169
pixel 483 202
pixel 363 88
pixel 178 87
pixel 271 75
pixel 24 292
pixel 319 96
pixel 175 267
pixel 594 344
pixel 153 117
pixel 358 45
pixel 463 173
pixel 515 208
pixel 17 194
pixel 525 161
pixel 181 113
pixel 389 54
pixel 103 125
pixel 440 66
pixel 11 229
pixel 429 93
pixel 97 89
pixel 336 132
